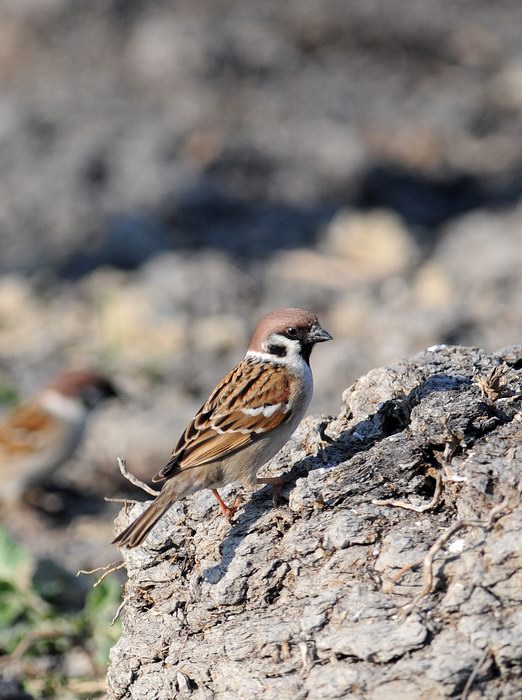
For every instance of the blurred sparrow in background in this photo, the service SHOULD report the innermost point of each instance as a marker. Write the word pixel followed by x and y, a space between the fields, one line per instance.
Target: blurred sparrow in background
pixel 41 433
pixel 247 419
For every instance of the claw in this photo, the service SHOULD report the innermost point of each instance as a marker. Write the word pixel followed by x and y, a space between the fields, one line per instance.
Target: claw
pixel 228 511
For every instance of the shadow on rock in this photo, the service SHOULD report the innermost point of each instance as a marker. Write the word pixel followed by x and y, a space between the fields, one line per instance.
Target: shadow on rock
pixel 392 417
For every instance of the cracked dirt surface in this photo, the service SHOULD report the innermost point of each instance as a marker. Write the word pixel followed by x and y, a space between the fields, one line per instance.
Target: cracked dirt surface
pixel 307 599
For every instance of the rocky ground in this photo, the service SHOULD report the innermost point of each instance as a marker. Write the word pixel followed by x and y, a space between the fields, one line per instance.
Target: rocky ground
pixel 392 571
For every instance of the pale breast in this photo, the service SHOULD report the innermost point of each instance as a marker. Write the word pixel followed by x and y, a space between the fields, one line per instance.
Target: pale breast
pixel 244 465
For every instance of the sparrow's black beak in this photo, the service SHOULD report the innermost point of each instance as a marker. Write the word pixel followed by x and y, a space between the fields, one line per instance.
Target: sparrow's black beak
pixel 319 335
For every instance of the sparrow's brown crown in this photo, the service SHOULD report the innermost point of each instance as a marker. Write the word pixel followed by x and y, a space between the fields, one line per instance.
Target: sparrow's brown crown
pixel 291 322
pixel 89 386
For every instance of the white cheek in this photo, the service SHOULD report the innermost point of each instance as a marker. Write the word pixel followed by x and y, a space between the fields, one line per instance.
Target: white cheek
pixel 69 409
pixel 293 347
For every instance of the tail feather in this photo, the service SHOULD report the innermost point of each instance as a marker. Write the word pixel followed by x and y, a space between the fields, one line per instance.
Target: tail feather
pixel 135 533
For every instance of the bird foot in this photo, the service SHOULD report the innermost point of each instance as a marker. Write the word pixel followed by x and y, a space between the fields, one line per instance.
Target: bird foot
pixel 277 482
pixel 228 511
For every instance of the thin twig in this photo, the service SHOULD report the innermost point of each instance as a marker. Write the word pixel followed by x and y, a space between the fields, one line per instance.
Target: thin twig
pixel 107 569
pixel 474 674
pixel 118 610
pixel 409 506
pixel 395 578
pixel 25 644
pixel 427 563
pixel 122 463
pixel 85 686
pixel 125 501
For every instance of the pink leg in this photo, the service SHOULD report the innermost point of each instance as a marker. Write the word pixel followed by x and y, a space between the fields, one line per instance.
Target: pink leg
pixel 277 482
pixel 228 511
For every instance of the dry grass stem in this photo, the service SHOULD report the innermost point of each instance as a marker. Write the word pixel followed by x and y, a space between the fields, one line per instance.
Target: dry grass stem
pixel 427 563
pixel 118 610
pixel 107 569
pixel 473 674
pixel 122 463
pixel 26 643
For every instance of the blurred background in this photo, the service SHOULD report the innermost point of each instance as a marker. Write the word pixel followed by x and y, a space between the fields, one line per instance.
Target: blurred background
pixel 170 171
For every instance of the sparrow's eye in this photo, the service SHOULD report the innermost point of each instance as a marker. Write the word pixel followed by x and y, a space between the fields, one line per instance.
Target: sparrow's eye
pixel 291 332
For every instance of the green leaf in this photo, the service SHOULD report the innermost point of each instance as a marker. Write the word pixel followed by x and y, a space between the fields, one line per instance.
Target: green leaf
pixel 8 395
pixel 100 608
pixel 15 562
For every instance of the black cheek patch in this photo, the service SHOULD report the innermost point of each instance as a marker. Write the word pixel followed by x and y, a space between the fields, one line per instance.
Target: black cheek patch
pixel 277 350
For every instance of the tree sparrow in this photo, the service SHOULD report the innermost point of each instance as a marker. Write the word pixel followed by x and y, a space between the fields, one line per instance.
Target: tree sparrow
pixel 246 420
pixel 40 434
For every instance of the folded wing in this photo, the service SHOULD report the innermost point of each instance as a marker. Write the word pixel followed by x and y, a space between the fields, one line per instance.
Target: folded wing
pixel 250 401
pixel 27 428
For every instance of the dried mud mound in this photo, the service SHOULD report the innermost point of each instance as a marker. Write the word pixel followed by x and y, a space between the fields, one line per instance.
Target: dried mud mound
pixel 331 594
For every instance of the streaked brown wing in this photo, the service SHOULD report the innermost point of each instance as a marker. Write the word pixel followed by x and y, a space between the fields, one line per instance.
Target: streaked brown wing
pixel 250 401
pixel 26 428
